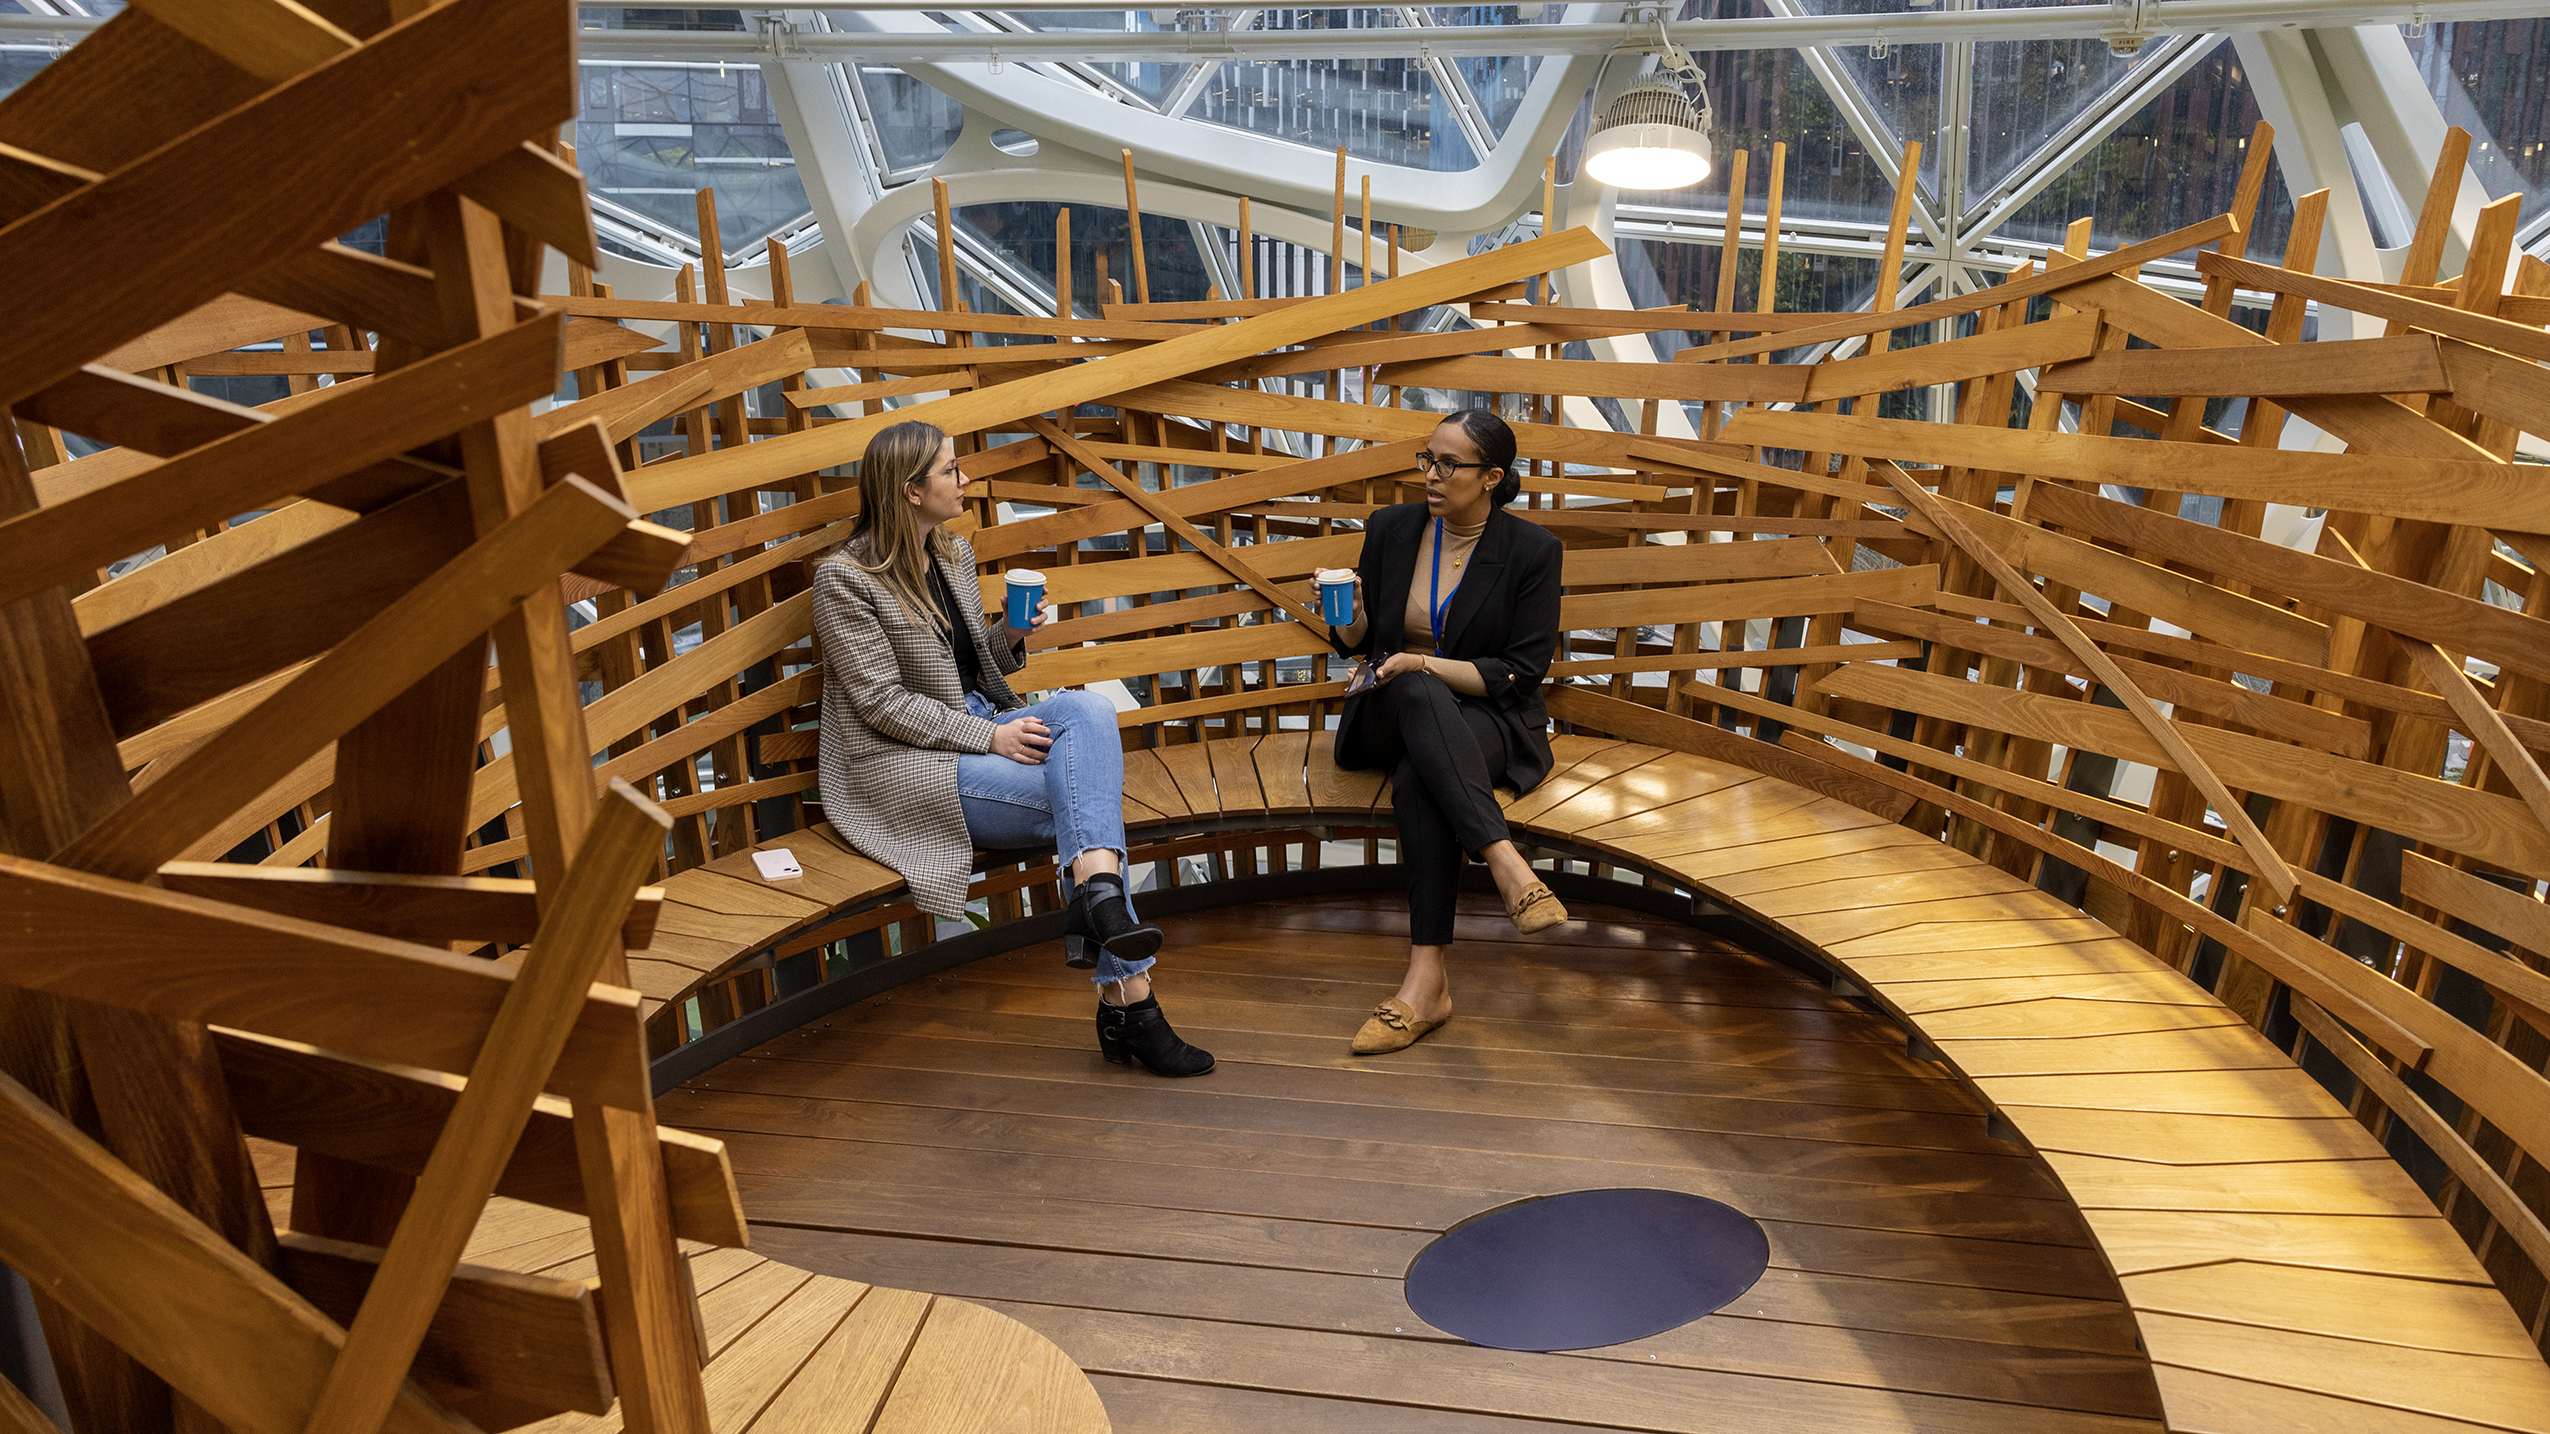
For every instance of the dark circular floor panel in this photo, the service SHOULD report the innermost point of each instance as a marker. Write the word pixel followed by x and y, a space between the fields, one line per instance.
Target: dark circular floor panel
pixel 1586 1269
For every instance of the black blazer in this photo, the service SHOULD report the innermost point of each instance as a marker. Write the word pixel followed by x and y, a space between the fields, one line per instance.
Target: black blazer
pixel 1503 617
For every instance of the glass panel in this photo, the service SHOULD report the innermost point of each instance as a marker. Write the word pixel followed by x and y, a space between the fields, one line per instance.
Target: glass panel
pixel 19 62
pixel 1152 81
pixel 2026 90
pixel 1498 83
pixel 914 123
pixel 1384 110
pixel 2493 79
pixel 1902 85
pixel 612 17
pixel 1022 235
pixel 2175 162
pixel 651 136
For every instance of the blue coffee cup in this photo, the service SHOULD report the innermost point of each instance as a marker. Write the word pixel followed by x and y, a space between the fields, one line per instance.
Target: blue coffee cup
pixel 1026 596
pixel 1336 596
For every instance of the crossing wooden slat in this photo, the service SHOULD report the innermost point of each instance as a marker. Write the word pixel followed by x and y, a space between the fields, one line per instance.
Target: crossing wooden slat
pixel 1235 780
pixel 1282 759
pixel 1190 766
pixel 2418 1314
pixel 2060 1018
pixel 1151 781
pixel 2509 1394
pixel 2363 1185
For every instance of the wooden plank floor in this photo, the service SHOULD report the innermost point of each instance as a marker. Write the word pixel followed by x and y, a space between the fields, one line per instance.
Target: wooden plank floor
pixel 1226 1253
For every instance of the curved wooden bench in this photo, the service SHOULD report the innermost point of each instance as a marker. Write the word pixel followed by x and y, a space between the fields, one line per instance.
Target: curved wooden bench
pixel 2272 1252
pixel 789 1352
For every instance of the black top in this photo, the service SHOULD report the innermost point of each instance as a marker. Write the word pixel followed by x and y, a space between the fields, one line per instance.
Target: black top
pixel 1503 618
pixel 969 664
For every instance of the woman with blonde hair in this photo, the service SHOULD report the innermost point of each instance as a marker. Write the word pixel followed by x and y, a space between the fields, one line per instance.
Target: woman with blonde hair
pixel 927 754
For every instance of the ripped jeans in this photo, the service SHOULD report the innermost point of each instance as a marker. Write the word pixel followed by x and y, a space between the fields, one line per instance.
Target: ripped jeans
pixel 1075 800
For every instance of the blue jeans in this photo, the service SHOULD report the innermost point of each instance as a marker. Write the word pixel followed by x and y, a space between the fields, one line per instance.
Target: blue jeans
pixel 1075 800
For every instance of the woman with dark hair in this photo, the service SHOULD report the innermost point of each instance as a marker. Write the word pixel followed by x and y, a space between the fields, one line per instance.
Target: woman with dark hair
pixel 1462 619
pixel 927 754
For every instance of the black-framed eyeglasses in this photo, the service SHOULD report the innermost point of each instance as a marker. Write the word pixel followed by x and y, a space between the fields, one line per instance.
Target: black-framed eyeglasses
pixel 1429 461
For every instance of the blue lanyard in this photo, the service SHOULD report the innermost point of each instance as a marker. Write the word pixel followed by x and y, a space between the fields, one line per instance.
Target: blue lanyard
pixel 1434 589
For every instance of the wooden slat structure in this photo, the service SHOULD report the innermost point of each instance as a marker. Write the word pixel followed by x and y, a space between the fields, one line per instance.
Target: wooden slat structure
pixel 2180 791
pixel 158 1008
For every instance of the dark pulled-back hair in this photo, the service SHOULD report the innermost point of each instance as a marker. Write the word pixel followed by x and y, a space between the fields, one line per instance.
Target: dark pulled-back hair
pixel 1496 449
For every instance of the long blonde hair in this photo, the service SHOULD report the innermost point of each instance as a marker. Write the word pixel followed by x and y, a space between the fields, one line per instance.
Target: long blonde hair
pixel 896 549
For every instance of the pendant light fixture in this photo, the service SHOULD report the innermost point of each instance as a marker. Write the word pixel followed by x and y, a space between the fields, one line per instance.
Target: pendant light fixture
pixel 1652 136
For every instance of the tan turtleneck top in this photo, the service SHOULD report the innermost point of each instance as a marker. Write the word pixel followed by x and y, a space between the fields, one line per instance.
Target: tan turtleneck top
pixel 1417 624
pixel 1459 546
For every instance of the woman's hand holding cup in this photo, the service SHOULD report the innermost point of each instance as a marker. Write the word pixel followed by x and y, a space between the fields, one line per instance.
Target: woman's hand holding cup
pixel 1026 608
pixel 1340 593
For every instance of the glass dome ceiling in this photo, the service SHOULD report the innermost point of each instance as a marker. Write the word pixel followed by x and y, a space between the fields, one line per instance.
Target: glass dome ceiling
pixel 2031 123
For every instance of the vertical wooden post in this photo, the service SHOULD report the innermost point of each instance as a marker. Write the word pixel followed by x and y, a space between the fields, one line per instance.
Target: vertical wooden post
pixel 1133 228
pixel 1062 263
pixel 1890 270
pixel 1337 228
pixel 947 248
pixel 1248 254
pixel 1728 251
pixel 1766 288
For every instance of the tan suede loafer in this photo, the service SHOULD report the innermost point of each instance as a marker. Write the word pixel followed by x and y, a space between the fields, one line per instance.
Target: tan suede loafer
pixel 1392 1026
pixel 1537 909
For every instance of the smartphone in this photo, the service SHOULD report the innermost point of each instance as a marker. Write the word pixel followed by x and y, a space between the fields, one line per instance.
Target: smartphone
pixel 1361 679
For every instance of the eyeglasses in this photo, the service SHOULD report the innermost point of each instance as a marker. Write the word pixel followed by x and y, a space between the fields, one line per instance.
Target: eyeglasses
pixel 1430 462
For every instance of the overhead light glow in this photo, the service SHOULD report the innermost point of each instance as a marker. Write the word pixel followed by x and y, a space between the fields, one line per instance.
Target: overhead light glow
pixel 1652 137
pixel 1647 156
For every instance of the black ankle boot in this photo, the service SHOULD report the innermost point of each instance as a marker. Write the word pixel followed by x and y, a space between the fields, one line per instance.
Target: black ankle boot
pixel 1140 1032
pixel 1100 917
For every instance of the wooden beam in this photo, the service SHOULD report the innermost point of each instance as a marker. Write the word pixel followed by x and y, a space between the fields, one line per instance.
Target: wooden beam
pixel 2485 330
pixel 521 1338
pixel 2485 726
pixel 1150 503
pixel 2516 1219
pixel 1855 326
pixel 2409 364
pixel 2495 829
pixel 161 235
pixel 383 657
pixel 579 929
pixel 787 455
pixel 2515 641
pixel 129 1263
pixel 408 907
pixel 2271 867
pixel 273 40
pixel 258 464
pixel 96 939
pixel 118 408
pixel 2493 495
pixel 389 1116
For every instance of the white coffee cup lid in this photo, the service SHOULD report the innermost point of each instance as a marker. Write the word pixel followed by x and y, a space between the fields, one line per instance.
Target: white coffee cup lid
pixel 1335 575
pixel 1025 578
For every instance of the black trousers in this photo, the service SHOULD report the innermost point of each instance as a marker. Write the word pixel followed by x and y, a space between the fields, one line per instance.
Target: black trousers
pixel 1445 755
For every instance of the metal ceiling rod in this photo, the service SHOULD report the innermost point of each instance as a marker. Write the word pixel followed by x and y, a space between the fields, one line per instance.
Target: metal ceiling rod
pixel 2128 19
pixel 2126 24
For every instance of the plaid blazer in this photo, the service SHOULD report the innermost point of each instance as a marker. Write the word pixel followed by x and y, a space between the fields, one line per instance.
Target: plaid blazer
pixel 894 720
